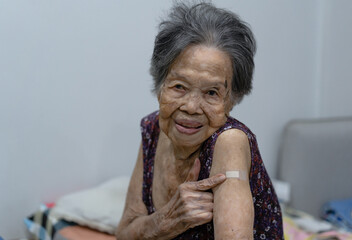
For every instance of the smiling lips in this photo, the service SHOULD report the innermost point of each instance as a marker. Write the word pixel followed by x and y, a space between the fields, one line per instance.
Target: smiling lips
pixel 188 127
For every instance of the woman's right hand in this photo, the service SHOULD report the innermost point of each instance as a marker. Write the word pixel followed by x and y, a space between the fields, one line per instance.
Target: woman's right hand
pixel 191 205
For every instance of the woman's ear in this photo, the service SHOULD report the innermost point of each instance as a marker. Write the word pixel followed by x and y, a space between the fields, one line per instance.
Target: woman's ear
pixel 229 103
pixel 160 92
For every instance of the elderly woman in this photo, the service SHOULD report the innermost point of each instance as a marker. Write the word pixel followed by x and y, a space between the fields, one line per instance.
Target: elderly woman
pixel 199 174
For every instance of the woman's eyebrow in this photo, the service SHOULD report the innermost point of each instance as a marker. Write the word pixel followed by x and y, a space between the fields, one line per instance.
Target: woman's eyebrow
pixel 219 84
pixel 177 76
pixel 174 74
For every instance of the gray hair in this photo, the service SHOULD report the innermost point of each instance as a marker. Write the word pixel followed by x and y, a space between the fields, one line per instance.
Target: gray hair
pixel 203 23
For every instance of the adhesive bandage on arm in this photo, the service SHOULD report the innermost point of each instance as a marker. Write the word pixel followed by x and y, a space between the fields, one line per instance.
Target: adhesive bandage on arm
pixel 239 174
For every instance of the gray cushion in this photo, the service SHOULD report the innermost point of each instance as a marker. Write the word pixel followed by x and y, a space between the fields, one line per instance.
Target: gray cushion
pixel 316 159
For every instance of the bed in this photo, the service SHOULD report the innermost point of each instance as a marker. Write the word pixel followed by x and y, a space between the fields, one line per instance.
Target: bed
pixel 314 161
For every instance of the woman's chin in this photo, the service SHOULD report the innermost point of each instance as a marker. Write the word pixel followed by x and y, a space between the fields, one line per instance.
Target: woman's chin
pixel 188 138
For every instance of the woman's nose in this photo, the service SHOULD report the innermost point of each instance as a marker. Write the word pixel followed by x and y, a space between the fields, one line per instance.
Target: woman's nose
pixel 192 104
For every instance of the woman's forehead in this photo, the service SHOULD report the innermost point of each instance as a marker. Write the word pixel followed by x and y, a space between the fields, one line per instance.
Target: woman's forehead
pixel 203 61
pixel 205 56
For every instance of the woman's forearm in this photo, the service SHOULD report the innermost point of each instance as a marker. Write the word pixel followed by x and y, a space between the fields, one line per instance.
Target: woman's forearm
pixel 150 227
pixel 143 227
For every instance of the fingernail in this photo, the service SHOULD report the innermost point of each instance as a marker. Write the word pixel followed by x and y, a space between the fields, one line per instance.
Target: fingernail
pixel 222 177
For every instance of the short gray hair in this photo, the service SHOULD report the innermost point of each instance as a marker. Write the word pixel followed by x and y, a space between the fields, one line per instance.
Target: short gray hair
pixel 203 23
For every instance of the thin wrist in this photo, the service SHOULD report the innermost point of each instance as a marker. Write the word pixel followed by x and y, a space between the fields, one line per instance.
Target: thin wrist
pixel 163 227
pixel 161 224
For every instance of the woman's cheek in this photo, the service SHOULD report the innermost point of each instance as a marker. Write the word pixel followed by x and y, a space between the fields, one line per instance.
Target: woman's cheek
pixel 168 103
pixel 167 108
pixel 216 115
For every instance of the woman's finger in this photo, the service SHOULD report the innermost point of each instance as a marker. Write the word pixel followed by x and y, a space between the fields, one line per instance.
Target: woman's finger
pixel 186 195
pixel 205 197
pixel 201 218
pixel 208 183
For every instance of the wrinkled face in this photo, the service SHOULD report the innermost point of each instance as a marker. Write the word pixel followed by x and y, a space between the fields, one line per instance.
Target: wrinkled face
pixel 195 97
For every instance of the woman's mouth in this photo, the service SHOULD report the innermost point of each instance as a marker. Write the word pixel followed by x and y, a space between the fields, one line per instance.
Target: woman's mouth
pixel 188 127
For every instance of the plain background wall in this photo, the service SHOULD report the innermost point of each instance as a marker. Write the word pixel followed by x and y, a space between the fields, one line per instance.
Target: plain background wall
pixel 336 59
pixel 74 84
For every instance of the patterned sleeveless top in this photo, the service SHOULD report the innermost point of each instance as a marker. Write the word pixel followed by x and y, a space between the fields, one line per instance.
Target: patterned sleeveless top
pixel 267 219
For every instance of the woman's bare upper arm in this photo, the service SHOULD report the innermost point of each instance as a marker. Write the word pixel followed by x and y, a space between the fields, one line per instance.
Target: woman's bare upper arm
pixel 233 205
pixel 134 205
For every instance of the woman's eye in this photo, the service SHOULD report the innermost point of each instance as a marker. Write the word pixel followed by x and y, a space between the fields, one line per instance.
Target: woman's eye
pixel 212 93
pixel 179 86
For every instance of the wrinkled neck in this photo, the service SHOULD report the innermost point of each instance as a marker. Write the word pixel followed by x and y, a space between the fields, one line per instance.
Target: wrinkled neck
pixel 181 153
pixel 185 153
pixel 184 160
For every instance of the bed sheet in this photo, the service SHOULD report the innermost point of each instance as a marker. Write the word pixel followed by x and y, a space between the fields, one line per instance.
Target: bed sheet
pixel 297 226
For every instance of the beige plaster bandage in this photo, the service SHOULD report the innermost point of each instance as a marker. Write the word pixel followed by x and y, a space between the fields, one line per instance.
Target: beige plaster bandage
pixel 239 174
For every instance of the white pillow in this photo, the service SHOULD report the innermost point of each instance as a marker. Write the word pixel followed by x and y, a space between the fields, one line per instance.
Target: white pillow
pixel 99 208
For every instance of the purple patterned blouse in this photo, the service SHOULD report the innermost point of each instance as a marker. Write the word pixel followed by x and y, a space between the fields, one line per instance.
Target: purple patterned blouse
pixel 267 220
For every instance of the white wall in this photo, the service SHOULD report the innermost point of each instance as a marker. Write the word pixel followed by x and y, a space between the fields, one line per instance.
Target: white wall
pixel 74 84
pixel 336 59
pixel 284 78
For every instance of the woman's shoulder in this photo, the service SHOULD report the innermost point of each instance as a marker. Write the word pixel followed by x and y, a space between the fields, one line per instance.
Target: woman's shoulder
pixel 150 119
pixel 150 123
pixel 150 128
pixel 237 129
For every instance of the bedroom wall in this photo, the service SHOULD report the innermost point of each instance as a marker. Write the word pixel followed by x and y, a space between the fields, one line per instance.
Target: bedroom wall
pixel 336 59
pixel 74 84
